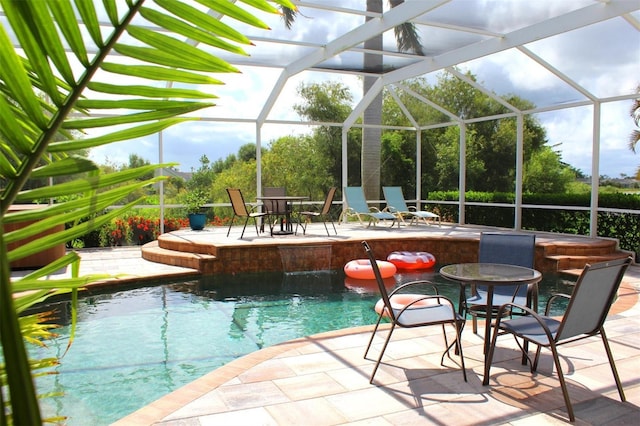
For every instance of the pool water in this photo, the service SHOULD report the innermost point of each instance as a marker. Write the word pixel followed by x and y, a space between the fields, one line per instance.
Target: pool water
pixel 136 345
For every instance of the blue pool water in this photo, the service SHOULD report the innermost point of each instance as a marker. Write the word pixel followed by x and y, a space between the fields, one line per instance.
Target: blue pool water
pixel 136 345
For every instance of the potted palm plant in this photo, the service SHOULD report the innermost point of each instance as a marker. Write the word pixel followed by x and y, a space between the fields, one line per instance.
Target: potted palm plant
pixel 194 201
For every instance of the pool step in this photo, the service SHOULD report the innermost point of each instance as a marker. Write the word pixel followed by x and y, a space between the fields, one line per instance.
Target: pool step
pixel 199 261
pixel 561 256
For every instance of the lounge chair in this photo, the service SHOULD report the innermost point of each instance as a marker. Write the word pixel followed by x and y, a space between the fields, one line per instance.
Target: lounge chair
pixel 588 307
pixel 397 205
pixel 357 206
pixel 413 310
pixel 324 214
pixel 240 210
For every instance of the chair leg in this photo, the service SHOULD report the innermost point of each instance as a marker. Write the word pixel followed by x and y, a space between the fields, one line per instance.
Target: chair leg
pixel 230 224
pixel 255 223
pixel 534 365
pixel 563 384
pixel 457 343
pixel 612 363
pixel 373 334
pixel 244 227
pixel 384 347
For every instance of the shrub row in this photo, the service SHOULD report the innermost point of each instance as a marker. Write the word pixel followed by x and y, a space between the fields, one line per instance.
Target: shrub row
pixel 623 226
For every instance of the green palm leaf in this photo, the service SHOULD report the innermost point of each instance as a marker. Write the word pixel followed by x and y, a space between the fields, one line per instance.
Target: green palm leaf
pixel 44 89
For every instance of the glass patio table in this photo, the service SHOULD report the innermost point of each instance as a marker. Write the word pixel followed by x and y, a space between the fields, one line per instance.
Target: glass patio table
pixel 489 275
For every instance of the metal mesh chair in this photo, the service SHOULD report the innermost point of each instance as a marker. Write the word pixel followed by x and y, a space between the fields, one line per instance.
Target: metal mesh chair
pixel 240 210
pixel 413 310
pixel 276 209
pixel 324 214
pixel 589 304
pixel 511 249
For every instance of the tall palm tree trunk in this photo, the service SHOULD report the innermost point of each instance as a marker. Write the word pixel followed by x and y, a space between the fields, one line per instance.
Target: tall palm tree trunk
pixel 371 137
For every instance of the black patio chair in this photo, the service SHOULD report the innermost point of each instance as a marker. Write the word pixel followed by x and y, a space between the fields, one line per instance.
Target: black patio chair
pixel 588 307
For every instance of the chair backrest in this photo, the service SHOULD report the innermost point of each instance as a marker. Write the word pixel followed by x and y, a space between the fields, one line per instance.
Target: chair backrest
pixel 275 206
pixel 511 249
pixel 328 201
pixel 381 287
pixel 237 202
pixel 395 198
pixel 355 199
pixel 592 297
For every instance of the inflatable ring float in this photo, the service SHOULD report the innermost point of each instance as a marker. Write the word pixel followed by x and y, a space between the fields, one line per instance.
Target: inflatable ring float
pixel 399 301
pixel 368 286
pixel 412 259
pixel 361 269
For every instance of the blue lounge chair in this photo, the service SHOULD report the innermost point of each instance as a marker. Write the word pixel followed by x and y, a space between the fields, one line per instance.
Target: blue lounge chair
pixel 357 206
pixel 397 205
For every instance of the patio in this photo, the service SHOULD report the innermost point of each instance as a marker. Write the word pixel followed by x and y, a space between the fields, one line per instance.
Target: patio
pixel 323 379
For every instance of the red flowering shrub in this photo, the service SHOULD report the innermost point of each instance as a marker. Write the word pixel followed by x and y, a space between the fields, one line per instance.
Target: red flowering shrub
pixel 217 221
pixel 137 230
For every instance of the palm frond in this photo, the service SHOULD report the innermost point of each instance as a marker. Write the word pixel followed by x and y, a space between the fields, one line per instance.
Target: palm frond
pixel 48 89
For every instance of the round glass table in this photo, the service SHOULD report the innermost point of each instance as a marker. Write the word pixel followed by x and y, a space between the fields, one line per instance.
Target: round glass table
pixel 489 275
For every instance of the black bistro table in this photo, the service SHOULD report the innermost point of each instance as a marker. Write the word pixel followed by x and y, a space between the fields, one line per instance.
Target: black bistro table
pixel 287 227
pixel 489 275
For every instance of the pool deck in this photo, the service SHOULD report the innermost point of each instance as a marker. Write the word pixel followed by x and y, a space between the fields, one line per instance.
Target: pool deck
pixel 324 379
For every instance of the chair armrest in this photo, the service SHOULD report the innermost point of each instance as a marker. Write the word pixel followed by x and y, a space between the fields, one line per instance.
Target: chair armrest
pixel 414 283
pixel 554 297
pixel 509 306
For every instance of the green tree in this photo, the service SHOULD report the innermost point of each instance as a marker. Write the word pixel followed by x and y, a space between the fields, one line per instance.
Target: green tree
pixel 490 145
pixel 242 174
pixel 295 163
pixel 398 164
pixel 136 161
pixel 202 178
pixel 28 128
pixel 544 173
pixel 330 102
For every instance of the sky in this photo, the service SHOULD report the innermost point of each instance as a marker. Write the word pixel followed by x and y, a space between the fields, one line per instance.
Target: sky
pixel 604 59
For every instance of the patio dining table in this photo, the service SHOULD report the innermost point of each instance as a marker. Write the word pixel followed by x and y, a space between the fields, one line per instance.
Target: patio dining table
pixel 286 228
pixel 489 275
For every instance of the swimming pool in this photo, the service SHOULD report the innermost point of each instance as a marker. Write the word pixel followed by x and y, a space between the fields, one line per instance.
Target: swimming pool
pixel 136 345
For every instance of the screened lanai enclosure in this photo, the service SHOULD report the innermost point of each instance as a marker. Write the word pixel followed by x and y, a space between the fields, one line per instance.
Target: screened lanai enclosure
pixel 576 62
pixel 571 65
